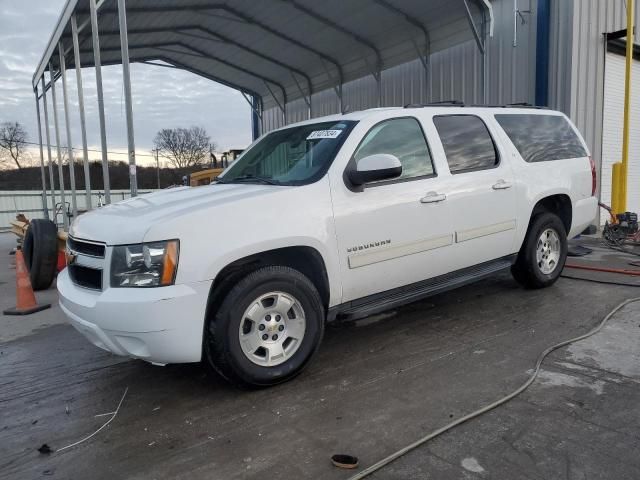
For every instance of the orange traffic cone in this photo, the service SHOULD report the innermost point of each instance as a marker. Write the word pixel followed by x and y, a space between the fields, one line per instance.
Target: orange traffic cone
pixel 25 298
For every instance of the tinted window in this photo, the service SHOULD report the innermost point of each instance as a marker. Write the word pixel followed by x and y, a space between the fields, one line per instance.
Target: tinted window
pixel 467 142
pixel 542 137
pixel 403 138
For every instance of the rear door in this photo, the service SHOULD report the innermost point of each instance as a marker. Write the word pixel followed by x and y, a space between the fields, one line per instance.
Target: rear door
pixel 480 193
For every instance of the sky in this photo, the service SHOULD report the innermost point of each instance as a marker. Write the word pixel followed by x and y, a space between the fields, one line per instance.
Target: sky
pixel 162 97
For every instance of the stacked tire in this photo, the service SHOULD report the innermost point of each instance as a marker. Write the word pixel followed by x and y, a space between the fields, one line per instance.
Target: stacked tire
pixel 40 250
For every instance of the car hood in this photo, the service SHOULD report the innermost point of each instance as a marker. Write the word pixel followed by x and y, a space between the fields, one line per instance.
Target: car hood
pixel 128 221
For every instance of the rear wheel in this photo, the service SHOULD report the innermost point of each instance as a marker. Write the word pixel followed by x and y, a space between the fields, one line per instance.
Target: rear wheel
pixel 543 253
pixel 267 328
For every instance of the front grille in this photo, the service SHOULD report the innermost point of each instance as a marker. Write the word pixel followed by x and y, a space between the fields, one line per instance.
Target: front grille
pixel 86 277
pixel 86 248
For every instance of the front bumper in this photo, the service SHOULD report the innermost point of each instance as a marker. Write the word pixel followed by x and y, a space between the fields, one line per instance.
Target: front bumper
pixel 160 325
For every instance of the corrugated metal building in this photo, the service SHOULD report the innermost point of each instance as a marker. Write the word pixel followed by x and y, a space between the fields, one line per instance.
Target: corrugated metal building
pixel 572 41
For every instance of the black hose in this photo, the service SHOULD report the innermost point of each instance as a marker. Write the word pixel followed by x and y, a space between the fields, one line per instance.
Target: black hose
pixel 394 456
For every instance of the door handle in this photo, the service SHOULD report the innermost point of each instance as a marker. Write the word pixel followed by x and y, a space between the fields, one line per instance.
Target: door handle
pixel 433 197
pixel 502 185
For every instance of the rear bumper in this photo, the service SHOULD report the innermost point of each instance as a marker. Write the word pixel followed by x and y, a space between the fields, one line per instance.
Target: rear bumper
pixel 160 325
pixel 584 214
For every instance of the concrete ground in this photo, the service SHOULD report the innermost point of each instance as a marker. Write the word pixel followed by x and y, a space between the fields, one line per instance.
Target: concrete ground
pixel 374 387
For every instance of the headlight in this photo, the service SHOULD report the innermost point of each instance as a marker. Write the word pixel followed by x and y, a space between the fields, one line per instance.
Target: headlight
pixel 145 264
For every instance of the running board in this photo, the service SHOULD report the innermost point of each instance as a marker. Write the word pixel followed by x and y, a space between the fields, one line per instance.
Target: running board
pixel 380 302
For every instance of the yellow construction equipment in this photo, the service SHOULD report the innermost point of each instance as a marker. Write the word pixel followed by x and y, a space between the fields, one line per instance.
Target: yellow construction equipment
pixel 204 177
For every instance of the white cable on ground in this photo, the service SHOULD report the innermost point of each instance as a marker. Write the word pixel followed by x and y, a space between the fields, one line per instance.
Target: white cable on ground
pixel 394 456
pixel 103 426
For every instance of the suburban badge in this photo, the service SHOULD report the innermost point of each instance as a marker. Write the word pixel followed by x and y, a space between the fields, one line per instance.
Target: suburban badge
pixel 367 246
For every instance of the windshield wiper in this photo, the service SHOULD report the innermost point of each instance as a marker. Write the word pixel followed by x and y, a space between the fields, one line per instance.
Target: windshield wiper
pixel 249 179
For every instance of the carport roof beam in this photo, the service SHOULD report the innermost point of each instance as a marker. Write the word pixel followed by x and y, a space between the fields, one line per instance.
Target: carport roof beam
pixel 358 38
pixel 239 14
pixel 282 106
pixel 197 71
pixel 211 36
pixel 424 57
pixel 474 29
pixel 196 52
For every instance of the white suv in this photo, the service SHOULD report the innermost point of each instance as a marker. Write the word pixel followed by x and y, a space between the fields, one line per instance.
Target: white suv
pixel 336 217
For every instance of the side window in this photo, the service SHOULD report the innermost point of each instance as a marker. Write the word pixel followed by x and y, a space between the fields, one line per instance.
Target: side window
pixel 403 138
pixel 467 142
pixel 539 138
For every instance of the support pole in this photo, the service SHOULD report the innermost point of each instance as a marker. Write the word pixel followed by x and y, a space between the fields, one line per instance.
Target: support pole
pixel 255 117
pixel 83 124
pixel 126 79
pixel 56 128
pixel 622 186
pixel 67 124
pixel 45 210
pixel 616 174
pixel 103 134
pixel 485 70
pixel 156 154
pixel 52 185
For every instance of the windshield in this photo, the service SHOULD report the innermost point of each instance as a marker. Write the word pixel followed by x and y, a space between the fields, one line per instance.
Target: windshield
pixel 293 156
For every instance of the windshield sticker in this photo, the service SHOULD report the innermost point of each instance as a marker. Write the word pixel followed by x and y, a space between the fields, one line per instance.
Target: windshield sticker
pixel 324 134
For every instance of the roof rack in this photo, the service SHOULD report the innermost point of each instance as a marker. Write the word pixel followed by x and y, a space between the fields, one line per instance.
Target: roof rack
pixel 443 103
pixel 457 103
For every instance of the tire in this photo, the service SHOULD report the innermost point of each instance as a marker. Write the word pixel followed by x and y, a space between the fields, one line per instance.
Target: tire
pixel 528 270
pixel 231 337
pixel 40 250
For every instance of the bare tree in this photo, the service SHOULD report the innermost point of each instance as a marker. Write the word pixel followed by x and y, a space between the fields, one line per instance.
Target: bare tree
pixel 13 140
pixel 183 147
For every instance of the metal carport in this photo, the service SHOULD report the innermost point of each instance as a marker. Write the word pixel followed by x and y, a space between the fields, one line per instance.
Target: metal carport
pixel 273 51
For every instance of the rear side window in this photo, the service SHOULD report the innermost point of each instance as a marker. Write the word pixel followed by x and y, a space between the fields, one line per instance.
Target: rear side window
pixel 539 138
pixel 467 143
pixel 403 138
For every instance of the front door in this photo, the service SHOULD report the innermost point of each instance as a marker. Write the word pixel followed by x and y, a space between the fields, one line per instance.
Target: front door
pixel 395 232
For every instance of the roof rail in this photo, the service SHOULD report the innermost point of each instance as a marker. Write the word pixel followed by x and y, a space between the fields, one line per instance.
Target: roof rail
pixel 457 103
pixel 443 103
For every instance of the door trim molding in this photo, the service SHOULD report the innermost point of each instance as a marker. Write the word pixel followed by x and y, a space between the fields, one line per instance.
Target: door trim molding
pixel 383 254
pixel 470 234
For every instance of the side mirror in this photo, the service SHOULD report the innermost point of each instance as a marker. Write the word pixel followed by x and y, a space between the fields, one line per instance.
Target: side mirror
pixel 380 166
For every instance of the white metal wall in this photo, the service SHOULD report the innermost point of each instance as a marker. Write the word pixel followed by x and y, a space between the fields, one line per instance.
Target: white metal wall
pixel 591 19
pixel 612 130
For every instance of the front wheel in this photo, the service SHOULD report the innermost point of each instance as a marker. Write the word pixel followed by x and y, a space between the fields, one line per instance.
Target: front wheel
pixel 543 253
pixel 267 328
